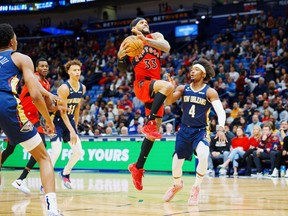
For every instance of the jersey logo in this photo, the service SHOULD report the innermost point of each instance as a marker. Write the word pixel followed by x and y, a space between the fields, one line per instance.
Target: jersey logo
pixel 28 126
pixel 188 89
pixel 3 60
pixel 201 93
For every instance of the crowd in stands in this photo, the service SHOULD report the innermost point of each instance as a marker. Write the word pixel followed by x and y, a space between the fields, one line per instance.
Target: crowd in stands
pixel 249 56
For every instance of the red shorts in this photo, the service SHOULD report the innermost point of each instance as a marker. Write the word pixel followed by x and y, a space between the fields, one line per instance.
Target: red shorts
pixel 142 92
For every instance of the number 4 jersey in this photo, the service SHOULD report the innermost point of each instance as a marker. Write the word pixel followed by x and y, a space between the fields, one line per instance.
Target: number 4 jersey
pixel 196 107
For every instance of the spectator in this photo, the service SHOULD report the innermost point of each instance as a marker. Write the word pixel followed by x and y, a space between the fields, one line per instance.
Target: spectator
pixel 124 131
pixel 168 115
pixel 268 148
pixel 240 144
pixel 168 130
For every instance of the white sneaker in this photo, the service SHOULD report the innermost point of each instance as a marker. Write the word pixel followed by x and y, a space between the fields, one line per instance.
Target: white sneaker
pixel 259 175
pixel 49 213
pixel 275 173
pixel 286 175
pixel 222 172
pixel 21 185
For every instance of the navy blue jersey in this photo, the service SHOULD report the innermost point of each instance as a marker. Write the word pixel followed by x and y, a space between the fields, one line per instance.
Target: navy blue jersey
pixel 196 107
pixel 73 99
pixel 10 74
pixel 13 121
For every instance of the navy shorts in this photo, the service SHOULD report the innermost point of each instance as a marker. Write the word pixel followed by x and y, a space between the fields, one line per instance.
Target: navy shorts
pixel 13 121
pixel 187 140
pixel 62 131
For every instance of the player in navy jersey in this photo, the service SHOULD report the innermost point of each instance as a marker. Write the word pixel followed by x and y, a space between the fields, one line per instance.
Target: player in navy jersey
pixel 193 135
pixel 66 123
pixel 13 121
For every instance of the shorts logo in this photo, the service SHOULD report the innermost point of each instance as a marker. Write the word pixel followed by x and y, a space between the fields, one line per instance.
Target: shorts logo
pixel 28 126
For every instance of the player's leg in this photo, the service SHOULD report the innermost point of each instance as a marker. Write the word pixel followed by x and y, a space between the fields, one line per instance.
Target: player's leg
pixel 56 146
pixel 7 152
pixel 77 154
pixel 21 183
pixel 37 149
pixel 183 150
pixel 157 92
pixel 136 169
pixel 202 151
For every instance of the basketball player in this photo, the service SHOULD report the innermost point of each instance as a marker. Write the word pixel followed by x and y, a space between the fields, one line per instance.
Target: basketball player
pixel 147 86
pixel 70 93
pixel 13 121
pixel 32 114
pixel 193 136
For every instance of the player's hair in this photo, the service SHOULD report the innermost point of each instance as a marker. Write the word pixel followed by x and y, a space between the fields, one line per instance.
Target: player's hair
pixel 38 60
pixel 210 73
pixel 135 21
pixel 6 34
pixel 72 62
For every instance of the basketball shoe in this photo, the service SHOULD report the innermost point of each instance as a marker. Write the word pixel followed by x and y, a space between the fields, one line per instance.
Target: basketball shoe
pixel 194 196
pixel 150 130
pixel 54 214
pixel 21 185
pixel 137 175
pixel 65 179
pixel 170 193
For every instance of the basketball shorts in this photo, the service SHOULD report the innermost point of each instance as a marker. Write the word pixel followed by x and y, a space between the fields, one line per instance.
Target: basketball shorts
pixel 144 92
pixel 187 140
pixel 62 131
pixel 13 121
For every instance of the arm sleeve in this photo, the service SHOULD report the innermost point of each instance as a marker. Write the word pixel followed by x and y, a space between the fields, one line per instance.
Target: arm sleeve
pixel 123 64
pixel 217 105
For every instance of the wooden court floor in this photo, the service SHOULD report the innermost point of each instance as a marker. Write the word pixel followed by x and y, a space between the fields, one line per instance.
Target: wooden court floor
pixel 114 194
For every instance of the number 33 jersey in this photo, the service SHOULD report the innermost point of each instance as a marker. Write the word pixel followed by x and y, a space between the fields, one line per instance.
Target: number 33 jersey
pixel 196 107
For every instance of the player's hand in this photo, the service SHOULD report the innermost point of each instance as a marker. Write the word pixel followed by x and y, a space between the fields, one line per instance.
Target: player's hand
pixel 55 98
pixel 73 138
pixel 139 34
pixel 171 80
pixel 63 109
pixel 222 137
pixel 49 127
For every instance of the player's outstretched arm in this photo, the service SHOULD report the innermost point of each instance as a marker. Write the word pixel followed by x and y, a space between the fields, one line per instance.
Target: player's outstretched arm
pixel 213 96
pixel 157 42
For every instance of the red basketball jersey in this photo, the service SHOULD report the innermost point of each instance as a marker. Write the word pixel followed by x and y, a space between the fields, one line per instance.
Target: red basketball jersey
pixel 147 64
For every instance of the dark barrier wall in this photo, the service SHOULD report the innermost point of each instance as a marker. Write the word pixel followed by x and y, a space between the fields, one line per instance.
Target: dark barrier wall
pixel 109 153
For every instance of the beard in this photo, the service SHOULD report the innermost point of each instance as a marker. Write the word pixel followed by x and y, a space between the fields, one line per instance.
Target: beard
pixel 145 32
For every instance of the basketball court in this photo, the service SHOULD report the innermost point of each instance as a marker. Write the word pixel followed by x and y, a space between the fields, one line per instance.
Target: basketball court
pixel 114 194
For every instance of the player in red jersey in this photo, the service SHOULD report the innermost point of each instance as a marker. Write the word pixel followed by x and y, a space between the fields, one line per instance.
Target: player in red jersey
pixel 147 86
pixel 30 110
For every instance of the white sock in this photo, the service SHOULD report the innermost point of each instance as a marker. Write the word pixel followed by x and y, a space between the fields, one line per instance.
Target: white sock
pixel 51 202
pixel 77 154
pixel 177 169
pixel 56 150
pixel 202 151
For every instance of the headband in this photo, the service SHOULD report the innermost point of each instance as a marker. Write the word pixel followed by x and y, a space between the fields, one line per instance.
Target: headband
pixel 135 21
pixel 201 67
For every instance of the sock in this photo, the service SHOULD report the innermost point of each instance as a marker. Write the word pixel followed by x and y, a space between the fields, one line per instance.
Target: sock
pixel 145 149
pixel 77 153
pixel 157 103
pixel 202 151
pixel 177 169
pixel 51 202
pixel 24 174
pixel 56 150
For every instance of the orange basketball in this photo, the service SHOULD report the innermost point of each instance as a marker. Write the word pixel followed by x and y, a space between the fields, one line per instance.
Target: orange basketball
pixel 135 45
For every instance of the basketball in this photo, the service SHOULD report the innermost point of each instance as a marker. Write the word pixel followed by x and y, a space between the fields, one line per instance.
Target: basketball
pixel 135 45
